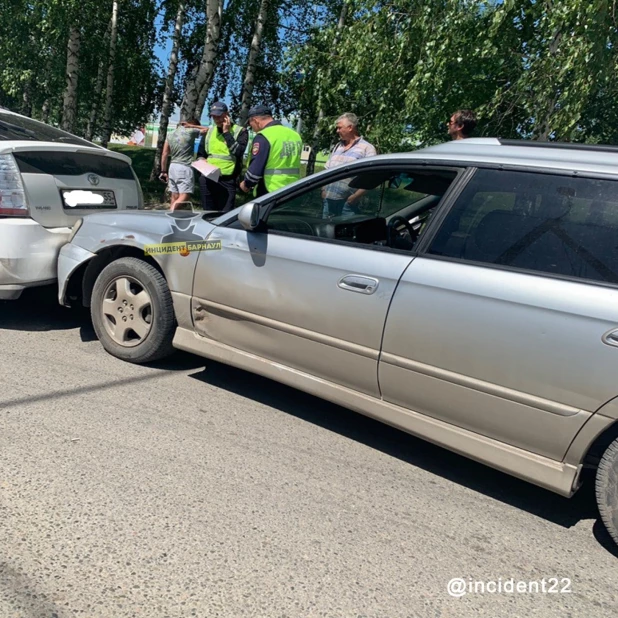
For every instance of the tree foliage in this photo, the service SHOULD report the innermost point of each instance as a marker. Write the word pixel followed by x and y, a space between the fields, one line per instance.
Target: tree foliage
pixel 537 69
pixel 33 46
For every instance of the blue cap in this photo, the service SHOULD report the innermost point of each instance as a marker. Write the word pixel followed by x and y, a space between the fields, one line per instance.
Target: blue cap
pixel 218 109
pixel 259 110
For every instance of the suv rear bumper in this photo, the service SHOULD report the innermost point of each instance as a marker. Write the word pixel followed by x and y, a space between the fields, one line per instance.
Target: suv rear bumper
pixel 28 255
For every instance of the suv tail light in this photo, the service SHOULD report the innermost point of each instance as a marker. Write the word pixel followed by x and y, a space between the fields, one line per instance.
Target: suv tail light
pixel 12 195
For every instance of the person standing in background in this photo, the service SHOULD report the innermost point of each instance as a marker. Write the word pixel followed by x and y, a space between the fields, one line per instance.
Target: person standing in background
pixel 339 199
pixel 223 146
pixel 275 154
pixel 178 151
pixel 461 124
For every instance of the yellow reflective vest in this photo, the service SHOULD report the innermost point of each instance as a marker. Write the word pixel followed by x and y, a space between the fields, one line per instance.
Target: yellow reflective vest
pixel 217 150
pixel 283 164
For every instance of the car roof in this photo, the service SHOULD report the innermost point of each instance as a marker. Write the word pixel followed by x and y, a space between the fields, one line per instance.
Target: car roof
pixel 82 141
pixel 521 153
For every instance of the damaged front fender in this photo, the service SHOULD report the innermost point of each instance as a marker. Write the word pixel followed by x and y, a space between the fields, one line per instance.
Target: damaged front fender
pixel 108 236
pixel 71 257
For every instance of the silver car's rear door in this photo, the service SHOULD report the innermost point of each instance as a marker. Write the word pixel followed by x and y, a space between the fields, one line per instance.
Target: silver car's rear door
pixel 502 327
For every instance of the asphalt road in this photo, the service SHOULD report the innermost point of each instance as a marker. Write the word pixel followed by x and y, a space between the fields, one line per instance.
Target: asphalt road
pixel 192 489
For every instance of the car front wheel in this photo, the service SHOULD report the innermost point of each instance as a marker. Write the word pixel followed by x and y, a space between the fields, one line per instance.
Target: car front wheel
pixel 132 311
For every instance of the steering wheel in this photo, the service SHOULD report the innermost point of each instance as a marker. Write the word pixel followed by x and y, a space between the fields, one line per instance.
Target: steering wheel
pixel 393 234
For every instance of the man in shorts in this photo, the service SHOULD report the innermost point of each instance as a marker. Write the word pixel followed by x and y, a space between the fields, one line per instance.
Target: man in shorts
pixel 178 150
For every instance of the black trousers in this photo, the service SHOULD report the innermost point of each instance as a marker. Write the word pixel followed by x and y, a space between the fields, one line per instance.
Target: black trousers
pixel 218 195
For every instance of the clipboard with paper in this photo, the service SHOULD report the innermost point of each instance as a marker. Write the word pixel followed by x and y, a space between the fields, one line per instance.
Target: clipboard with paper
pixel 212 172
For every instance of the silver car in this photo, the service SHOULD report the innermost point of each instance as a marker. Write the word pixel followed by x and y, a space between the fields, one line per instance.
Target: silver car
pixel 466 293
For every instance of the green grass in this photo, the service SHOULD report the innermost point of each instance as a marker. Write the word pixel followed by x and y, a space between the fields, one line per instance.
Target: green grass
pixel 143 160
pixel 154 190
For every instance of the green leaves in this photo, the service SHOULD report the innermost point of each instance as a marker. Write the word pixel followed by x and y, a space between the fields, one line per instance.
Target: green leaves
pixel 33 45
pixel 540 69
pixel 531 68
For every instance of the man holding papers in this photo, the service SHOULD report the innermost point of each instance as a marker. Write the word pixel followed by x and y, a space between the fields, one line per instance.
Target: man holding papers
pixel 223 146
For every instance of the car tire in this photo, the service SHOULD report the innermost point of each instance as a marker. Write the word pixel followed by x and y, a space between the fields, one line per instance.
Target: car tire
pixel 607 489
pixel 132 311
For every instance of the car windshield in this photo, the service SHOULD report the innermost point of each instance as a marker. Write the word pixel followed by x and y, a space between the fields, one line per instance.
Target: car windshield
pixel 19 128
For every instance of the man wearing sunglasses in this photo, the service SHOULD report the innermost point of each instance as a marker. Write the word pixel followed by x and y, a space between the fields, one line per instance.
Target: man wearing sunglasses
pixel 462 124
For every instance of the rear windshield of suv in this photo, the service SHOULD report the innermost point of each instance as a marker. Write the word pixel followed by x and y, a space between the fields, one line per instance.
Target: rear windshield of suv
pixel 19 128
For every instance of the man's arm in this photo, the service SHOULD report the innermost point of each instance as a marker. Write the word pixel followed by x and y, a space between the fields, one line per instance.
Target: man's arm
pixel 196 127
pixel 370 151
pixel 259 156
pixel 236 146
pixel 356 196
pixel 201 149
pixel 164 157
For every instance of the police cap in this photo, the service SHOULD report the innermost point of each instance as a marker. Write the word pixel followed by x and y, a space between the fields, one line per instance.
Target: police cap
pixel 218 109
pixel 259 110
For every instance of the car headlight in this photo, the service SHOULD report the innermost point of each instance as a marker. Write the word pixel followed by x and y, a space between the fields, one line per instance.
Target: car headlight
pixel 75 229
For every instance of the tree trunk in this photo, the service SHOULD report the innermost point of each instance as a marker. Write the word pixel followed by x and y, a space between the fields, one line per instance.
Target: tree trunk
pixel 315 142
pixel 169 88
pixel 45 111
pixel 223 68
pixel 96 97
pixel 109 94
pixel 69 106
pixel 26 102
pixel 213 43
pixel 256 42
pixel 98 90
pixel 197 89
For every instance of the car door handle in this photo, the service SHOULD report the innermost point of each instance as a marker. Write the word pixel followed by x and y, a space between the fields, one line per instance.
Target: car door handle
pixel 611 338
pixel 358 283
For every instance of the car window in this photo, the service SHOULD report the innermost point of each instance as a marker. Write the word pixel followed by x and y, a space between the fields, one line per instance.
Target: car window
pixel 359 208
pixel 19 128
pixel 406 189
pixel 338 199
pixel 540 222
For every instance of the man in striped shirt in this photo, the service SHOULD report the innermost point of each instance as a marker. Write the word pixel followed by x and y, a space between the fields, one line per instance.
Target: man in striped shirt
pixel 339 198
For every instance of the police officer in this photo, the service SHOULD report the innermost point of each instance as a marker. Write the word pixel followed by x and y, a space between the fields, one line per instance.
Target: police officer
pixel 275 154
pixel 223 146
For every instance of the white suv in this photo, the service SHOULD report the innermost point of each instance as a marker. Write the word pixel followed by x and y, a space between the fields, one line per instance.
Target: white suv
pixel 48 180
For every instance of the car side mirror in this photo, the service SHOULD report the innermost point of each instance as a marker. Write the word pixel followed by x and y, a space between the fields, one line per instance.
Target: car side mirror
pixel 249 216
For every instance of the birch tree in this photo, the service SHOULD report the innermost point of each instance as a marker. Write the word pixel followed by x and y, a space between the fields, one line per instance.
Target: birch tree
pixel 109 92
pixel 69 106
pixel 254 51
pixel 198 87
pixel 168 100
pixel 98 90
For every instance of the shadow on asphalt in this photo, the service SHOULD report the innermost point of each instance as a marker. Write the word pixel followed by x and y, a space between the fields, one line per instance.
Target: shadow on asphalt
pixel 38 310
pixel 395 443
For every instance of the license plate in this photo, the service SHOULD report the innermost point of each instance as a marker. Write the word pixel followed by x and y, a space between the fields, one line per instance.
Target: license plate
pixel 88 199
